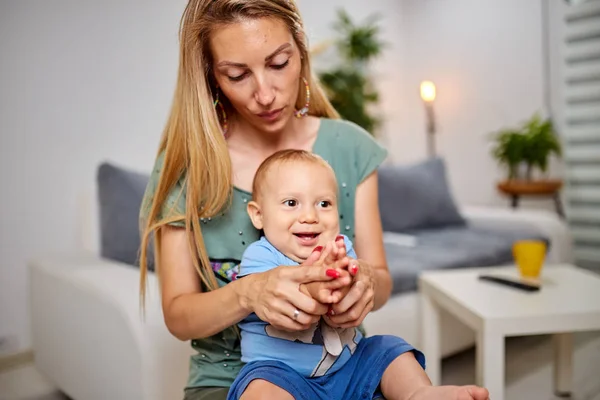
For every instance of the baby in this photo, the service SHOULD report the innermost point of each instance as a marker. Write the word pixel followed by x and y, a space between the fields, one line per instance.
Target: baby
pixel 295 204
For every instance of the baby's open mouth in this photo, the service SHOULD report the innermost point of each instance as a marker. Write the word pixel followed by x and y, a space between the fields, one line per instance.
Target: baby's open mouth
pixel 307 238
pixel 306 235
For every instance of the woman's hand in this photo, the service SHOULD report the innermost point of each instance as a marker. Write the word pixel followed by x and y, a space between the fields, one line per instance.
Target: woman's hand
pixel 276 298
pixel 351 310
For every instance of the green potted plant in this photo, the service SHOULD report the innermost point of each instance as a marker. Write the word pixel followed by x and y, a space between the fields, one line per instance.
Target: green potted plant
pixel 525 149
pixel 348 85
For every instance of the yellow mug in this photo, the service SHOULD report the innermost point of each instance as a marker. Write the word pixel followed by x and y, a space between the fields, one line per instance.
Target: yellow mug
pixel 529 256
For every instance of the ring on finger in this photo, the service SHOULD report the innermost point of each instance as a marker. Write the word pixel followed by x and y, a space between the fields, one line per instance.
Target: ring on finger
pixel 296 314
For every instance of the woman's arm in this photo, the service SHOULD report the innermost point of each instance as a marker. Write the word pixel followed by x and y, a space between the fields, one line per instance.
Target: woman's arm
pixel 272 295
pixel 189 313
pixel 368 241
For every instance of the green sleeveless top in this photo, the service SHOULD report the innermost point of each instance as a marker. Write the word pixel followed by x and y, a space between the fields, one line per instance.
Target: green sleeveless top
pixel 353 155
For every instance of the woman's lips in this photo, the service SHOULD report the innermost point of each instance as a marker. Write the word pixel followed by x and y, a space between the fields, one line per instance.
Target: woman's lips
pixel 271 115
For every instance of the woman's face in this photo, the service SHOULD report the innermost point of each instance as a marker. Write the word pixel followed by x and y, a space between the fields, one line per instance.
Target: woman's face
pixel 257 66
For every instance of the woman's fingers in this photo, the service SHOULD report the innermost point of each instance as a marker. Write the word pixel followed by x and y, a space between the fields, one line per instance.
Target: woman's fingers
pixel 307 304
pixel 306 274
pixel 281 320
pixel 353 267
pixel 314 256
pixel 357 321
pixel 325 295
pixel 280 309
pixel 358 295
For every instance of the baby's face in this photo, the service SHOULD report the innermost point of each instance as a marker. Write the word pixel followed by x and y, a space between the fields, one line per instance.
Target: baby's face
pixel 298 207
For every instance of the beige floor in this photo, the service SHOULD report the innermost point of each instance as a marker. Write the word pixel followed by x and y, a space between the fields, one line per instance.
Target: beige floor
pixel 528 372
pixel 25 383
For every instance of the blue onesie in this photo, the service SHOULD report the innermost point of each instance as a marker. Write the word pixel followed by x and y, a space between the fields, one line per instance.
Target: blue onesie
pixel 314 352
pixel 320 363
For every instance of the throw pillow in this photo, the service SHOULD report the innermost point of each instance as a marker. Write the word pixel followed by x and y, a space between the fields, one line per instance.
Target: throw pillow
pixel 416 197
pixel 120 194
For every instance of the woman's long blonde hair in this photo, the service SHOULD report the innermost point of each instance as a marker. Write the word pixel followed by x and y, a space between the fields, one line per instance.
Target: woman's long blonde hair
pixel 193 143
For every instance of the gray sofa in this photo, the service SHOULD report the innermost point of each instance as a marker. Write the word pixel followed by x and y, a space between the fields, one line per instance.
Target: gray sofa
pixel 425 230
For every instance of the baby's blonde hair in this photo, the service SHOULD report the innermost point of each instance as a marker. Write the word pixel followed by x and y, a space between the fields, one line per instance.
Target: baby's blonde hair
pixel 281 157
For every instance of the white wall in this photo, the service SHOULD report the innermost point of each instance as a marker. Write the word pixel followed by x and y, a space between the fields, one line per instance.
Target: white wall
pixel 80 82
pixel 83 82
pixel 485 57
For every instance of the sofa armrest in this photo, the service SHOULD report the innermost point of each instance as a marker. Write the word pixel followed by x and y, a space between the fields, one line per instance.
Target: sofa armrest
pixel 544 222
pixel 89 336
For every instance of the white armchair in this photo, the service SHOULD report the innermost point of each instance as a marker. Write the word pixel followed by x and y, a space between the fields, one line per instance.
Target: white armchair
pixel 89 338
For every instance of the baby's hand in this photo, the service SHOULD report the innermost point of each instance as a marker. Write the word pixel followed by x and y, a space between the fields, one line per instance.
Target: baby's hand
pixel 334 256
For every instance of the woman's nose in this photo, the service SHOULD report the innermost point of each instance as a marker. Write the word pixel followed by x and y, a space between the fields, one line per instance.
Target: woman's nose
pixel 265 93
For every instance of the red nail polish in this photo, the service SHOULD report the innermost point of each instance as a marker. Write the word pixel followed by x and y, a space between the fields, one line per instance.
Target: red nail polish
pixel 318 248
pixel 338 237
pixel 330 312
pixel 354 269
pixel 332 273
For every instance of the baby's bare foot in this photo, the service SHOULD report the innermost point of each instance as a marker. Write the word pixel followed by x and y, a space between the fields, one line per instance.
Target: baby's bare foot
pixel 451 393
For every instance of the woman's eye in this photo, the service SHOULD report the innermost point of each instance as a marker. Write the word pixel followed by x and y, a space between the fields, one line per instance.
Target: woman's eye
pixel 281 66
pixel 237 78
pixel 291 203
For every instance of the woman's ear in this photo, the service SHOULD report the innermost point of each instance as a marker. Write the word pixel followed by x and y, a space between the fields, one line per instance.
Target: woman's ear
pixel 255 214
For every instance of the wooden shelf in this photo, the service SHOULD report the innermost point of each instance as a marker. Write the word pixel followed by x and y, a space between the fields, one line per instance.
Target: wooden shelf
pixel 524 187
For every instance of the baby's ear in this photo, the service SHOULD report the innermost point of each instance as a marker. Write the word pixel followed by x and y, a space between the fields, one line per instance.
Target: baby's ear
pixel 255 214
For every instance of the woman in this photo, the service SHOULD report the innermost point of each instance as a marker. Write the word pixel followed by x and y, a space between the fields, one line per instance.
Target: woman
pixel 244 91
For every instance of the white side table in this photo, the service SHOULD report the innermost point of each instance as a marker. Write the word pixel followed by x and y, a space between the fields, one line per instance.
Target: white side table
pixel 569 301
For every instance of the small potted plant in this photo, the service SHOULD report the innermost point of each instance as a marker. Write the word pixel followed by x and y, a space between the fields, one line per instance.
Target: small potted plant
pixel 524 150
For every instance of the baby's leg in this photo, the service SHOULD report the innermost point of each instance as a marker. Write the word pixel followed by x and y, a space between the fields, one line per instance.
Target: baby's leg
pixel 261 389
pixel 404 379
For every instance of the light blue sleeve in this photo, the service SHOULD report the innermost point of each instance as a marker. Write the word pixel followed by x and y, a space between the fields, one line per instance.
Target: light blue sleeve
pixel 260 256
pixel 349 248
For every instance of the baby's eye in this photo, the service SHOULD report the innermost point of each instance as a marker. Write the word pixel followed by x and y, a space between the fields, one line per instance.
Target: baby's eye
pixel 324 204
pixel 290 203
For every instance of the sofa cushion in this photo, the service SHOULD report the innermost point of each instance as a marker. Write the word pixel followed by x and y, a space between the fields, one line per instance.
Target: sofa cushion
pixel 416 197
pixel 445 248
pixel 120 194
